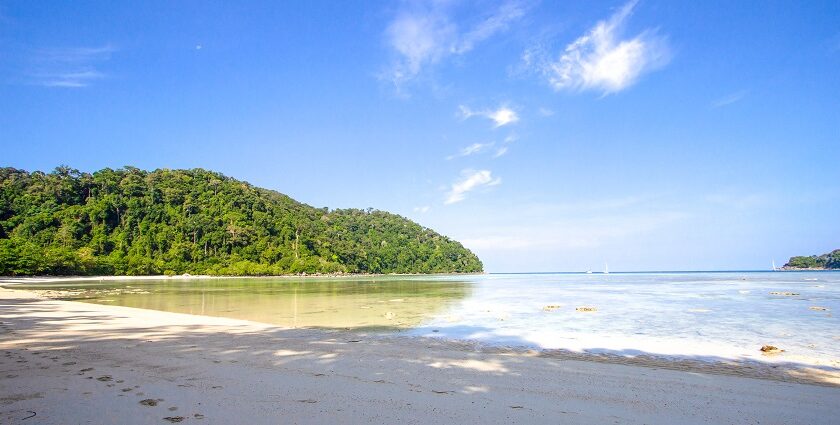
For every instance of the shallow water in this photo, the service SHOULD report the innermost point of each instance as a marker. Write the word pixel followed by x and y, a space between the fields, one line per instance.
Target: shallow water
pixel 370 303
pixel 703 315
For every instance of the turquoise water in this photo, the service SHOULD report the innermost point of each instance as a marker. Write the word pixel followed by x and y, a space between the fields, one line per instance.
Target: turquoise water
pixel 703 315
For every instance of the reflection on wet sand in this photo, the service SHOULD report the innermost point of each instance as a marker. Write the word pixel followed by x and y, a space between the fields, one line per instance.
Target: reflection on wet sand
pixel 383 302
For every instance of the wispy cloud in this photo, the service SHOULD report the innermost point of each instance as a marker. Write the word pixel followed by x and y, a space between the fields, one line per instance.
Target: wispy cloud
pixel 471 150
pixel 739 201
pixel 470 180
pixel 602 60
pixel 422 210
pixel 545 112
pixel 501 116
pixel 501 151
pixel 729 99
pixel 69 67
pixel 425 33
pixel 572 232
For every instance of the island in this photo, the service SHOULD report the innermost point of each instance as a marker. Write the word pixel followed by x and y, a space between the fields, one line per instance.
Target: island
pixel 830 261
pixel 128 221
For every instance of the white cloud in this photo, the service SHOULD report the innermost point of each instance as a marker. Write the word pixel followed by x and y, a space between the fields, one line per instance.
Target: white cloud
pixel 602 60
pixel 501 116
pixel 469 181
pixel 422 210
pixel 424 34
pixel 69 67
pixel 546 112
pixel 496 22
pixel 729 99
pixel 501 151
pixel 471 150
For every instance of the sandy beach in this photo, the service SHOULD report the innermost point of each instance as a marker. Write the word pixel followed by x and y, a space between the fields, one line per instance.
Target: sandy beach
pixel 67 362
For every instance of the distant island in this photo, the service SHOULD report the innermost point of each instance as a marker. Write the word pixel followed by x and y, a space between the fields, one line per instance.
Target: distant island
pixel 129 221
pixel 830 261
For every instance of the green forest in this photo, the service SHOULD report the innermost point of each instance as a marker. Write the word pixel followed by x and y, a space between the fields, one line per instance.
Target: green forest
pixel 129 221
pixel 825 261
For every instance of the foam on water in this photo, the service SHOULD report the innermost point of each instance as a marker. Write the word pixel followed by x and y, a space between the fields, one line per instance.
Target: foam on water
pixel 701 315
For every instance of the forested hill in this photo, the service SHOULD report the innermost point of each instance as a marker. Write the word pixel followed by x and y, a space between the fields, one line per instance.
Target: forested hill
pixel 133 222
pixel 825 261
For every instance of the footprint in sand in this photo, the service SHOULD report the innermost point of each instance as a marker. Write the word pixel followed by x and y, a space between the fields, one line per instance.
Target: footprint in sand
pixel 150 402
pixel 104 378
pixel 173 408
pixel 174 419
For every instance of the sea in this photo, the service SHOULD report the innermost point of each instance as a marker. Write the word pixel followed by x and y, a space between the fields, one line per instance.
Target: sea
pixel 716 316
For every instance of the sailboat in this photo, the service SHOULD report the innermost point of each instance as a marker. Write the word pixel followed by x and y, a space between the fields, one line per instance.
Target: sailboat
pixel 589 271
pixel 775 269
pixel 606 268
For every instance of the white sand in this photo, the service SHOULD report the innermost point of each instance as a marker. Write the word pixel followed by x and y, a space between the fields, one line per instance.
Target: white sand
pixel 69 362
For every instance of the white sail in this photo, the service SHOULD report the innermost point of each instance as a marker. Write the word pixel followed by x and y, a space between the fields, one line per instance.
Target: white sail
pixel 606 268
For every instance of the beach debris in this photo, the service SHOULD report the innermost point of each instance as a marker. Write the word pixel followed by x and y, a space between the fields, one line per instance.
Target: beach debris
pixel 770 349
pixel 149 402
pixel 30 416
pixel 87 369
pixel 818 308
pixel 104 378
pixel 390 315
pixel 174 419
pixel 785 294
pixel 517 407
pixel 307 400
pixel 586 309
pixel 552 307
pixel 442 392
pixel 198 416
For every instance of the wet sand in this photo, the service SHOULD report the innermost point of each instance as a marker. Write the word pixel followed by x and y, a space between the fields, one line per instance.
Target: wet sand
pixel 67 362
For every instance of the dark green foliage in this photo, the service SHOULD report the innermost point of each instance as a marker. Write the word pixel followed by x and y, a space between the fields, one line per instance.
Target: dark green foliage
pixel 132 222
pixel 825 261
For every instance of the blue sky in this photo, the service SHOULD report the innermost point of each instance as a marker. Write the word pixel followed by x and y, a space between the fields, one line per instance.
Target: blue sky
pixel 546 136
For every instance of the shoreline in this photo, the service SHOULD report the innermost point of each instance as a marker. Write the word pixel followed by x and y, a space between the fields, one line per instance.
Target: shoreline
pixel 13 280
pixel 73 362
pixel 632 350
